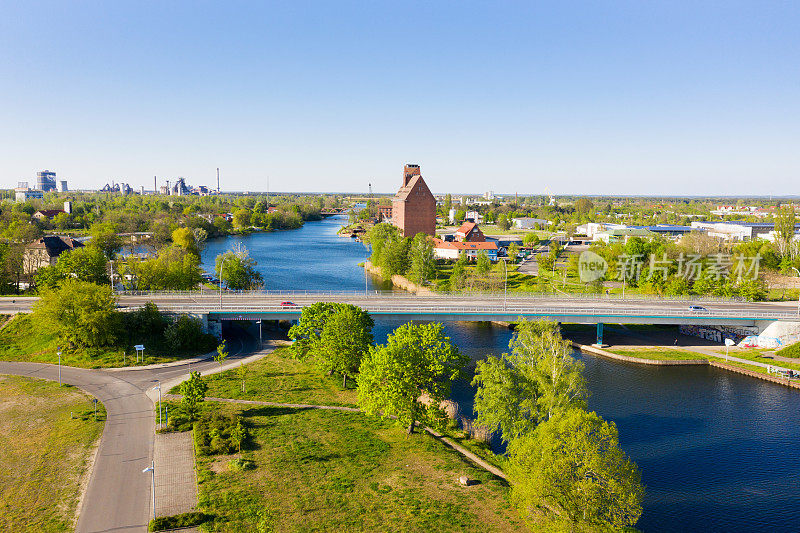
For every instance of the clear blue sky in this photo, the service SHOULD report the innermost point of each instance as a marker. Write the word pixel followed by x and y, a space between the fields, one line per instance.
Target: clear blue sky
pixel 622 97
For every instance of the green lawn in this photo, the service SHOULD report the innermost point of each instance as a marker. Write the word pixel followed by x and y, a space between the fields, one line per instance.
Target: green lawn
pixel 278 377
pixel 664 354
pixel 758 357
pixel 333 471
pixel 22 340
pixel 45 453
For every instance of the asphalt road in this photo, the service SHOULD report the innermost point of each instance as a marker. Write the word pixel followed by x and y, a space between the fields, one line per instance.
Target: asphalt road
pixel 118 495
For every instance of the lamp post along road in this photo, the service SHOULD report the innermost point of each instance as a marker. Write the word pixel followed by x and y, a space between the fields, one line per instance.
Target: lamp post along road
pixel 152 470
pixel 59 368
pixel 798 292
pixel 159 402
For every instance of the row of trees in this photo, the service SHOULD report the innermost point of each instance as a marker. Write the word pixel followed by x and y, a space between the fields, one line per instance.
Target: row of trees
pixel 562 457
pixel 395 254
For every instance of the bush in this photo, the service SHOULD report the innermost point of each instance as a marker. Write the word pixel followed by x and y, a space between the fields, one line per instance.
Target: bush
pixel 215 434
pixel 241 464
pixel 793 350
pixel 164 523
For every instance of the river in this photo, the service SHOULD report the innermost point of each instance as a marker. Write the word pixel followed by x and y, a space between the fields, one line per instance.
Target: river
pixel 717 450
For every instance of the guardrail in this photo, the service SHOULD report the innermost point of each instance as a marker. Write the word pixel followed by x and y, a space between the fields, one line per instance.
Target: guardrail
pixel 436 295
pixel 510 310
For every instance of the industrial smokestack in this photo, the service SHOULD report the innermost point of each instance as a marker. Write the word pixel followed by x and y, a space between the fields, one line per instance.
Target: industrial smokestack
pixel 155 185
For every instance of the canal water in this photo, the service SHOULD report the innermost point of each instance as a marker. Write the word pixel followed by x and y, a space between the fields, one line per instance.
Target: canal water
pixel 718 451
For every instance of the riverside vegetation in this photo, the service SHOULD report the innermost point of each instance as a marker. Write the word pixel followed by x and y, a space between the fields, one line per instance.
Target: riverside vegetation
pixel 353 470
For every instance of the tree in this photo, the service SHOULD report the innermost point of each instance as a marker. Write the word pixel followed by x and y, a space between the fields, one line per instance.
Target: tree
pixel 82 314
pixel 448 203
pixel 194 392
pixel 307 332
pixel 513 251
pixel 538 379
pixel 583 205
pixel 503 223
pixel 173 269
pixel 785 227
pixel 86 264
pixel 572 464
pixel 483 264
pixel 346 337
pixel 423 262
pixel 184 238
pixel 105 238
pixel 416 360
pixel 530 240
pixel 459 273
pixel 242 373
pixel 237 269
pixel 222 353
pixel 238 433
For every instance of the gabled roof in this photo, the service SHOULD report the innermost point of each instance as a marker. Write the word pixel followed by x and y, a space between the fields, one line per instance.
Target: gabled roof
pixel 50 213
pixel 415 182
pixel 55 244
pixel 466 227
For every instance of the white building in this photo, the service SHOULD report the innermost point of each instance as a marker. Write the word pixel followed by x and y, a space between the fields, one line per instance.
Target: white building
pixel 529 223
pixel 23 195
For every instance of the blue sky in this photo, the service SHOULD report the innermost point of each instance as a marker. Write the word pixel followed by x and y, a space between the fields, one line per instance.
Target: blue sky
pixel 625 97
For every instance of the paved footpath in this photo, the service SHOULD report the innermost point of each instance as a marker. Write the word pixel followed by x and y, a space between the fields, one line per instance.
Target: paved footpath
pixel 117 498
pixel 176 480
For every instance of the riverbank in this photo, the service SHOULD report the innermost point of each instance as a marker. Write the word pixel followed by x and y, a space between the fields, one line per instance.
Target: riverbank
pixel 401 282
pixel 685 360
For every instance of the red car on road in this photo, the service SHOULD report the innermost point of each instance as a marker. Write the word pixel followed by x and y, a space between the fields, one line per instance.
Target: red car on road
pixel 288 304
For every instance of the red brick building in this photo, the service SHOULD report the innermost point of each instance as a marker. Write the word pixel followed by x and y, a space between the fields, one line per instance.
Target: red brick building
pixel 414 207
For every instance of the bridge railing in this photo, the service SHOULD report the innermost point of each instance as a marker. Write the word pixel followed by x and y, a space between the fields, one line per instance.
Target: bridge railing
pixel 508 310
pixel 377 294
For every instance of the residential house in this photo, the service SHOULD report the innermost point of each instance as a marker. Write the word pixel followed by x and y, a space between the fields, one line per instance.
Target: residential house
pixel 469 232
pixel 47 214
pixel 45 251
pixel 453 250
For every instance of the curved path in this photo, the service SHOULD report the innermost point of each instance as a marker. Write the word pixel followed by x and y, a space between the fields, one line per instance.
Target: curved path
pixel 118 495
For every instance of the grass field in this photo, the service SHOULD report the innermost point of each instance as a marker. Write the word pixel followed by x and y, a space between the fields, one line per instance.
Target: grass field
pixel 45 453
pixel 665 354
pixel 21 340
pixel 278 377
pixel 333 471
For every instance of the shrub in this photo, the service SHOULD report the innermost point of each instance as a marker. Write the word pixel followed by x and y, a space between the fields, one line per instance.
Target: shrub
pixel 164 523
pixel 214 434
pixel 793 350
pixel 241 464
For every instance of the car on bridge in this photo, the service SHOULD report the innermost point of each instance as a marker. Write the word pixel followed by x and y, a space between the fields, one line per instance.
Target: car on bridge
pixel 288 304
pixel 698 309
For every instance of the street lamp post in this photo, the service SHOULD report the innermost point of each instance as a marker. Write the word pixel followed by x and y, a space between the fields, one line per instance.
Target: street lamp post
pixel 59 368
pixel 221 266
pixel 798 295
pixel 152 470
pixel 505 285
pixel 159 402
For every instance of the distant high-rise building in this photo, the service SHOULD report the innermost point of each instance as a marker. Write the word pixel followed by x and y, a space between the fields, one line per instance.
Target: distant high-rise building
pixel 22 185
pixel 68 207
pixel 46 180
pixel 62 186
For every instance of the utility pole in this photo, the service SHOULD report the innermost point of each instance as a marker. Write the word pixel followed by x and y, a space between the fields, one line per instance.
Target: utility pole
pixel 217 180
pixel 267 194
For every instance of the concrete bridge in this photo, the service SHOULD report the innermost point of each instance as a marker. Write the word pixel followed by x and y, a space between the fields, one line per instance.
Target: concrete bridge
pixel 459 307
pixel 215 308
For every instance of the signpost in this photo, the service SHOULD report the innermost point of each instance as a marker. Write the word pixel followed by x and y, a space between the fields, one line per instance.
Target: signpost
pixel 139 350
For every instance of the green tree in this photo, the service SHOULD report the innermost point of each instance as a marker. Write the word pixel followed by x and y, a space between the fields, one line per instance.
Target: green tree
pixel 572 464
pixel 105 238
pixel 538 379
pixel 185 239
pixel 416 360
pixel 242 373
pixel 513 252
pixel 503 223
pixel 222 353
pixel 86 264
pixel 448 203
pixel 194 392
pixel 237 270
pixel 423 263
pixel 173 269
pixel 483 264
pixel 238 434
pixel 82 314
pixel 307 332
pixel 458 275
pixel 346 337
pixel 785 221
pixel 530 240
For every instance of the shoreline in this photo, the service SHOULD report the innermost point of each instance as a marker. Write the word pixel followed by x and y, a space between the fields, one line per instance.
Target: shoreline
pixel 585 348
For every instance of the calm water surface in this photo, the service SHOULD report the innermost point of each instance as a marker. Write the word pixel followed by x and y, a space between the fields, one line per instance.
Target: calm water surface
pixel 718 451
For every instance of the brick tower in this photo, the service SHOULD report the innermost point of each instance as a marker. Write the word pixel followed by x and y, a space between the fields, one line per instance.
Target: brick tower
pixel 414 207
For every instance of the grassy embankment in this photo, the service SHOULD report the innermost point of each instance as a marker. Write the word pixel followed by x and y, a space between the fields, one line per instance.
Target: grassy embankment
pixel 45 453
pixel 332 470
pixel 22 340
